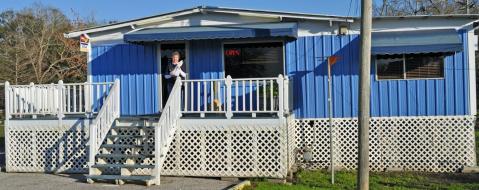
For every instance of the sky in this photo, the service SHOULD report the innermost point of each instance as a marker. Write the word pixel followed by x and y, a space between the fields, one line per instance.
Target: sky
pixel 121 10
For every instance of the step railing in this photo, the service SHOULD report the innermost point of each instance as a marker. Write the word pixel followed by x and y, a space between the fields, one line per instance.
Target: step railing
pixel 55 99
pixel 101 125
pixel 166 128
pixel 235 96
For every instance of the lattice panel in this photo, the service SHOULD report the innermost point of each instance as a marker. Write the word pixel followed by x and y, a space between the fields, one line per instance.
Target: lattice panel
pixel 433 144
pixel 243 150
pixel 47 149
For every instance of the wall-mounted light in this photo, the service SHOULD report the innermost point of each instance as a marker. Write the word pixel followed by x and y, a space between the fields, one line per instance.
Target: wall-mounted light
pixel 343 30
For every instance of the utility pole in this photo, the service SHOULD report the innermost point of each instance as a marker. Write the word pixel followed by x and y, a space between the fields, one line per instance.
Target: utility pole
pixel 364 94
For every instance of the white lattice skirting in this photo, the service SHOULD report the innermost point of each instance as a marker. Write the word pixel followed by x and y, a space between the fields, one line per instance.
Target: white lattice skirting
pixel 44 146
pixel 255 148
pixel 433 144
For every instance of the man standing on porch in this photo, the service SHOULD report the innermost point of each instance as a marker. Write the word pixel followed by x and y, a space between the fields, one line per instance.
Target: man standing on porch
pixel 174 69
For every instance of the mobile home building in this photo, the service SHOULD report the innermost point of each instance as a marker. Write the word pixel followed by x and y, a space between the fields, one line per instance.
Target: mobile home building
pixel 254 99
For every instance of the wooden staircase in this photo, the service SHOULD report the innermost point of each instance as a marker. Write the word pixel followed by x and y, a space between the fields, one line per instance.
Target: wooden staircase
pixel 123 149
pixel 126 152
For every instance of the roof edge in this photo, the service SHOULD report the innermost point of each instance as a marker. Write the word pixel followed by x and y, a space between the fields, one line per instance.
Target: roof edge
pixel 205 9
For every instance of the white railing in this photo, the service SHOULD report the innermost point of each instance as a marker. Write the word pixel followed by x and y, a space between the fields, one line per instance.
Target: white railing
pixel 235 96
pixel 166 128
pixel 55 99
pixel 101 125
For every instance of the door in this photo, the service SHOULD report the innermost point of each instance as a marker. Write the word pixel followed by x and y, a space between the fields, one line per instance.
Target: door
pixel 166 50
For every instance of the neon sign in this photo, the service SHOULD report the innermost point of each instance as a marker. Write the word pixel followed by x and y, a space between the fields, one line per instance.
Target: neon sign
pixel 232 52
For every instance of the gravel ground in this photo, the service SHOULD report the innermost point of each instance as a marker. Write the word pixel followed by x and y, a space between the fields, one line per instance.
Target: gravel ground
pixel 36 181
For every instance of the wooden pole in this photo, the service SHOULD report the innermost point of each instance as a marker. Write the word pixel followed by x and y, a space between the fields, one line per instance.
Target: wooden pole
pixel 364 94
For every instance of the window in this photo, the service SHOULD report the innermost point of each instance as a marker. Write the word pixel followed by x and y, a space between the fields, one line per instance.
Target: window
pixel 251 60
pixel 410 66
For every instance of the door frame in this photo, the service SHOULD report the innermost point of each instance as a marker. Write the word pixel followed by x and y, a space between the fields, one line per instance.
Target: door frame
pixel 160 72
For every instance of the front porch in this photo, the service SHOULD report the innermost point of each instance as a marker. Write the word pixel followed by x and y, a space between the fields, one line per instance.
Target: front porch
pixel 216 127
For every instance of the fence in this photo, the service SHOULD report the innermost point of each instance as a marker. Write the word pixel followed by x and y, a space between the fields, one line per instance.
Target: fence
pixel 235 96
pixel 54 99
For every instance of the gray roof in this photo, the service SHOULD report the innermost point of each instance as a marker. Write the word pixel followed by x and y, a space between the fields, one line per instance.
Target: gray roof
pixel 279 14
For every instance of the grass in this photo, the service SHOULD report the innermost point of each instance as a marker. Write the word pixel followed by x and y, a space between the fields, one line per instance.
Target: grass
pixel 307 180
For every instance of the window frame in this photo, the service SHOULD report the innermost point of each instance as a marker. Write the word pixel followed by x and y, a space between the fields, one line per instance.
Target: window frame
pixel 223 43
pixel 404 69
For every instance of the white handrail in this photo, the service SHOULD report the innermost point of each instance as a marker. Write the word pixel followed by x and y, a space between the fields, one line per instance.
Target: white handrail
pixel 56 99
pixel 101 125
pixel 233 96
pixel 166 127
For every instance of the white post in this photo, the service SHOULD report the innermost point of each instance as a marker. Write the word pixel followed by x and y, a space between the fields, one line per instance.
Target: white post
pixel 286 94
pixel 60 103
pixel 33 100
pixel 157 169
pixel 117 97
pixel 7 126
pixel 92 150
pixel 281 99
pixel 88 98
pixel 229 112
pixel 179 95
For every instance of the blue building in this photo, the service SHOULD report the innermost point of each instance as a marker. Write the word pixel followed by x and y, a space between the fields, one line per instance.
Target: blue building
pixel 255 95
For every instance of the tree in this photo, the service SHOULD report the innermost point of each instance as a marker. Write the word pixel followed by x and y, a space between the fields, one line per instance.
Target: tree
pixel 33 49
pixel 424 7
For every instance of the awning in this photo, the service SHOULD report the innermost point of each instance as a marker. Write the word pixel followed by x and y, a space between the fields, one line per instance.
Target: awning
pixel 429 41
pixel 213 32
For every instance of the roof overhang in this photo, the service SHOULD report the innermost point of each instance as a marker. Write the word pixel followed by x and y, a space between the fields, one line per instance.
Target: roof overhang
pixel 157 34
pixel 427 41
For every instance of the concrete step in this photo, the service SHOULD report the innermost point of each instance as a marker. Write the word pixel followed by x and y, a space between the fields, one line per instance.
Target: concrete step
pixel 125 156
pixel 122 166
pixel 119 179
pixel 121 146
pixel 130 136
pixel 147 127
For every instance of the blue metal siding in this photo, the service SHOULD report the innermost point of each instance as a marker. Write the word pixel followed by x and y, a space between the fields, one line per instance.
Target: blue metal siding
pixel 307 67
pixel 135 66
pixel 205 59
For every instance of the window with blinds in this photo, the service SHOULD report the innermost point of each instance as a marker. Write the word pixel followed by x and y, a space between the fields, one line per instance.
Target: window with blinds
pixel 390 66
pixel 251 60
pixel 424 65
pixel 410 66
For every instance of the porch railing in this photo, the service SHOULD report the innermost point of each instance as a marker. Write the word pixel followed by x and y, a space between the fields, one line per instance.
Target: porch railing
pixel 235 96
pixel 166 128
pixel 101 125
pixel 55 99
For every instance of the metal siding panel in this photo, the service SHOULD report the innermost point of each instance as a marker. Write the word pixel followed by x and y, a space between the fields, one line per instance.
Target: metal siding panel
pixel 336 77
pixel 300 77
pixel 327 48
pixel 430 97
pixel 449 85
pixel 205 59
pixel 402 98
pixel 134 66
pixel 125 90
pixel 393 98
pixel 440 99
pixel 309 66
pixel 318 79
pixel 466 81
pixel 421 97
pixel 446 96
pixel 355 74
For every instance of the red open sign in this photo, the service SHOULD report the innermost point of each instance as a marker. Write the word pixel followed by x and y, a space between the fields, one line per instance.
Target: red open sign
pixel 232 52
